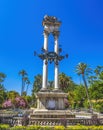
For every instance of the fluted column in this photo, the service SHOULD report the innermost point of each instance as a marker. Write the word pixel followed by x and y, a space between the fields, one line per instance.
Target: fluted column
pixel 56 73
pixel 45 63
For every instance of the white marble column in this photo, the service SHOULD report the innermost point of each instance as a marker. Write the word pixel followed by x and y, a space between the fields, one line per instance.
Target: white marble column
pixel 45 64
pixel 56 74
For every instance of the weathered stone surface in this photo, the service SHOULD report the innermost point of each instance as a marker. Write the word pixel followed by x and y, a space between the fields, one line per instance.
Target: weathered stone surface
pixel 51 20
pixel 50 104
pixel 51 100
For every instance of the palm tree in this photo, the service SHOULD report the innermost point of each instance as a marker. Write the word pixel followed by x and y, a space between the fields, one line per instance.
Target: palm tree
pixel 23 74
pixel 65 82
pixel 2 77
pixel 83 70
pixel 28 83
pixel 99 72
pixel 37 85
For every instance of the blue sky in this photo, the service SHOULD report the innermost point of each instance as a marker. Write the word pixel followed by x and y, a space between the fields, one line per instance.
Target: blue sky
pixel 81 36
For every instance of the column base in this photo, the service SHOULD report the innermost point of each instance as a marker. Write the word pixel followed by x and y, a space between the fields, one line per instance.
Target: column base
pixel 57 90
pixel 44 90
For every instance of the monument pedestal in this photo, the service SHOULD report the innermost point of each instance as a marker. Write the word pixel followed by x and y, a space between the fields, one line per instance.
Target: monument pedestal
pixel 50 109
pixel 52 100
pixel 50 105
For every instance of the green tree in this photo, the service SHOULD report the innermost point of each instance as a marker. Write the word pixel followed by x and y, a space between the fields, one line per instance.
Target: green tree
pixel 98 71
pixel 96 83
pixel 29 100
pixel 96 90
pixel 70 98
pixel 3 94
pixel 26 84
pixel 97 75
pixel 96 86
pixel 83 70
pixel 12 95
pixel 37 83
pixel 79 96
pixel 23 73
pixel 66 83
pixel 2 77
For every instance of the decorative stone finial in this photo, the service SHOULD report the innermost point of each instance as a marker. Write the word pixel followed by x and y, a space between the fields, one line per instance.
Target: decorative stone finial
pixel 51 20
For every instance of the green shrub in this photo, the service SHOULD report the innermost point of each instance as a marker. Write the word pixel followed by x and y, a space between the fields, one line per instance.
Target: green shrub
pixel 75 127
pixel 4 127
pixel 18 128
pixel 39 128
pixel 82 127
pixel 96 127
pixel 47 128
pixel 59 128
pixel 33 127
pixel 98 106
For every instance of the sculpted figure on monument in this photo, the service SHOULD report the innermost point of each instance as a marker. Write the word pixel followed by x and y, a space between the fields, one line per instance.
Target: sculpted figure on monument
pixel 50 19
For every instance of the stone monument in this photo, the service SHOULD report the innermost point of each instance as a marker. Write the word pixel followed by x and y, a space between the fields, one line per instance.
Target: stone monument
pixel 50 103
pixel 51 99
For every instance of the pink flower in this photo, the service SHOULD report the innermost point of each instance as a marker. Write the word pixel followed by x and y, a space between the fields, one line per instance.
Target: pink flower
pixel 7 104
pixel 20 102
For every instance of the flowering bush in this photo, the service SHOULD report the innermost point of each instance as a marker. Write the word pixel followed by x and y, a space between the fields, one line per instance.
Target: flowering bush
pixel 19 102
pixel 7 104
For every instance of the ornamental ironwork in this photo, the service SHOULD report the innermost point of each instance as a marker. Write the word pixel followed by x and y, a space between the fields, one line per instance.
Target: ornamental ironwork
pixel 51 56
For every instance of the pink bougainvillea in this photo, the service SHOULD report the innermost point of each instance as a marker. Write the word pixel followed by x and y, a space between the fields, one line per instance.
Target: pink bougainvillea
pixel 7 104
pixel 19 102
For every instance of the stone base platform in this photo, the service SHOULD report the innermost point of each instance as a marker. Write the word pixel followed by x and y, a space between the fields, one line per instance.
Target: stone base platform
pixel 52 114
pixel 50 108
pixel 50 100
pixel 50 117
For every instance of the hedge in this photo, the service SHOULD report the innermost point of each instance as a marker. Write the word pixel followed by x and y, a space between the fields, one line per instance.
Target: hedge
pixel 76 127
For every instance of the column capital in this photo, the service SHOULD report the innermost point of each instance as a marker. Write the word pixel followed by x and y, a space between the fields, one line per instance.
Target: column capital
pixel 46 33
pixel 56 34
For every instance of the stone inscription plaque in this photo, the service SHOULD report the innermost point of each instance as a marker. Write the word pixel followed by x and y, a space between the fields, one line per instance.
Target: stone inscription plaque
pixel 51 104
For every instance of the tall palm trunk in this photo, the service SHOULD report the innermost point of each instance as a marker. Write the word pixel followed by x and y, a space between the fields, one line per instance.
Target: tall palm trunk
pixel 23 74
pixel 27 89
pixel 22 90
pixel 86 87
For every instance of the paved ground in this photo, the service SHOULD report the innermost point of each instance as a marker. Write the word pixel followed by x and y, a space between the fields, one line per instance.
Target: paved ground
pixel 83 114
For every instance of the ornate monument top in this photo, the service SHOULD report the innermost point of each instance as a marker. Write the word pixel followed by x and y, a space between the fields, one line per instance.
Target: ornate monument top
pixel 51 24
pixel 51 20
